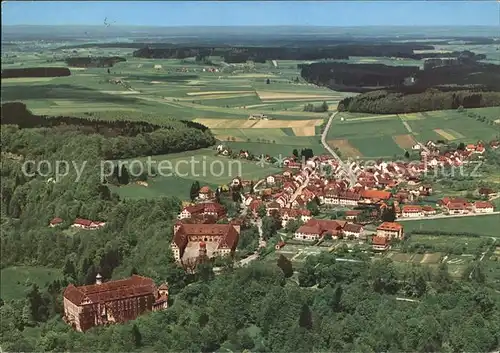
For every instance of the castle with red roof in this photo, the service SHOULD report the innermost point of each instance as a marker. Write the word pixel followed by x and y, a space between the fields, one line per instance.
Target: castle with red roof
pixel 112 302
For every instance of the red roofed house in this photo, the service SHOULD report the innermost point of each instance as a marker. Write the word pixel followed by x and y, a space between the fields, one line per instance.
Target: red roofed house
pixel 390 230
pixel 315 229
pixel 203 209
pixel 380 243
pixel 87 224
pixel 412 211
pixel 458 208
pixel 220 240
pixel 375 195
pixel 483 207
pixel 352 230
pixel 55 222
pixel 428 210
pixel 352 214
pixel 279 245
pixel 205 193
pixel 112 302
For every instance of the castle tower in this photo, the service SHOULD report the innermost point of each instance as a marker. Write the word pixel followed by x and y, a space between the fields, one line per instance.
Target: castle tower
pixel 203 249
pixel 98 279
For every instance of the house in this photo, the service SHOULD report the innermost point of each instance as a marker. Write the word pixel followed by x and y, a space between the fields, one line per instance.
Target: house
pixel 279 245
pixel 112 302
pixel 457 208
pixel 352 230
pixel 375 195
pixel 416 147
pixel 157 67
pixel 344 198
pixel 205 193
pixel 352 214
pixel 272 207
pixel 483 207
pixel 390 230
pixel 428 211
pixel 219 240
pixel 380 243
pixel 315 229
pixel 87 224
pixel 55 222
pixel 288 214
pixel 203 209
pixel 412 211
pixel 270 180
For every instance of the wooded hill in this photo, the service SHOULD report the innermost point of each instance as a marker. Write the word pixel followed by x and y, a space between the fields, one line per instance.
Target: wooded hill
pixel 101 61
pixel 241 54
pixel 143 138
pixel 36 72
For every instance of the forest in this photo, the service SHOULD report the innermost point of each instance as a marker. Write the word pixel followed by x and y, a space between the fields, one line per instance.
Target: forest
pixel 466 74
pixel 36 72
pixel 390 102
pixel 329 306
pixel 241 54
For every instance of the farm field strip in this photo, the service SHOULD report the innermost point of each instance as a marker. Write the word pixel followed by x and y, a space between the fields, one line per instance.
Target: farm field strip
pixel 405 141
pixel 202 93
pixel 346 149
pixel 446 134
pixel 258 124
pixel 273 95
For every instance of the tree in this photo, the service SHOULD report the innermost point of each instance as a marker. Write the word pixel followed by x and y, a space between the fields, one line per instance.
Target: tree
pixel 295 153
pixel 389 214
pixel 137 337
pixel 38 308
pixel 269 227
pixel 268 81
pixel 305 319
pixel 285 265
pixel 123 177
pixel 312 206
pixel 261 211
pixel 324 107
pixel 69 269
pixel 292 225
pixel 407 155
pixel 195 190
pixel 461 146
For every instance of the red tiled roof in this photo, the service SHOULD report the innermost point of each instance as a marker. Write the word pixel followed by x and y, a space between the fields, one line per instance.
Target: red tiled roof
pixel 483 204
pixel 56 220
pixel 83 222
pixel 379 240
pixel 205 190
pixel 354 228
pixel 134 286
pixel 227 232
pixel 412 208
pixel 353 212
pixel 428 208
pixel 390 226
pixel 376 194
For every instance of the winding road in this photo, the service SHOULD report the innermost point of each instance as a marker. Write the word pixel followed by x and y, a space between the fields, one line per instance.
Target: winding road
pixel 345 167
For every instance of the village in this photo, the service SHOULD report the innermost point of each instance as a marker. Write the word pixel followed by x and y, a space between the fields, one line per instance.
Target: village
pixel 313 202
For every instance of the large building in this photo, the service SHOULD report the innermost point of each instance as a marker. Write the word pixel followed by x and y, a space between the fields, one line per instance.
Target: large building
pixel 112 302
pixel 219 240
pixel 390 230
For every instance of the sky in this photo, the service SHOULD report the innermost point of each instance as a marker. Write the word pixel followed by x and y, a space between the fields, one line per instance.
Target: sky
pixel 253 13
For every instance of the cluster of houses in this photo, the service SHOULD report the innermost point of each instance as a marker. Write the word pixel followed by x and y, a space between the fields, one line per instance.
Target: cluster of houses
pixel 81 223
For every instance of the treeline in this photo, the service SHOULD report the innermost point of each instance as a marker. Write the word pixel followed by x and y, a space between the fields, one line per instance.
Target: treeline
pixel 36 72
pixel 387 102
pixel 16 113
pixel 242 309
pixel 332 74
pixel 366 77
pixel 99 61
pixel 262 54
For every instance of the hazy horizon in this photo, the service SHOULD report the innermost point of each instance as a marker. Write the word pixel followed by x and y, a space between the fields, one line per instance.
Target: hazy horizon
pixel 253 13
